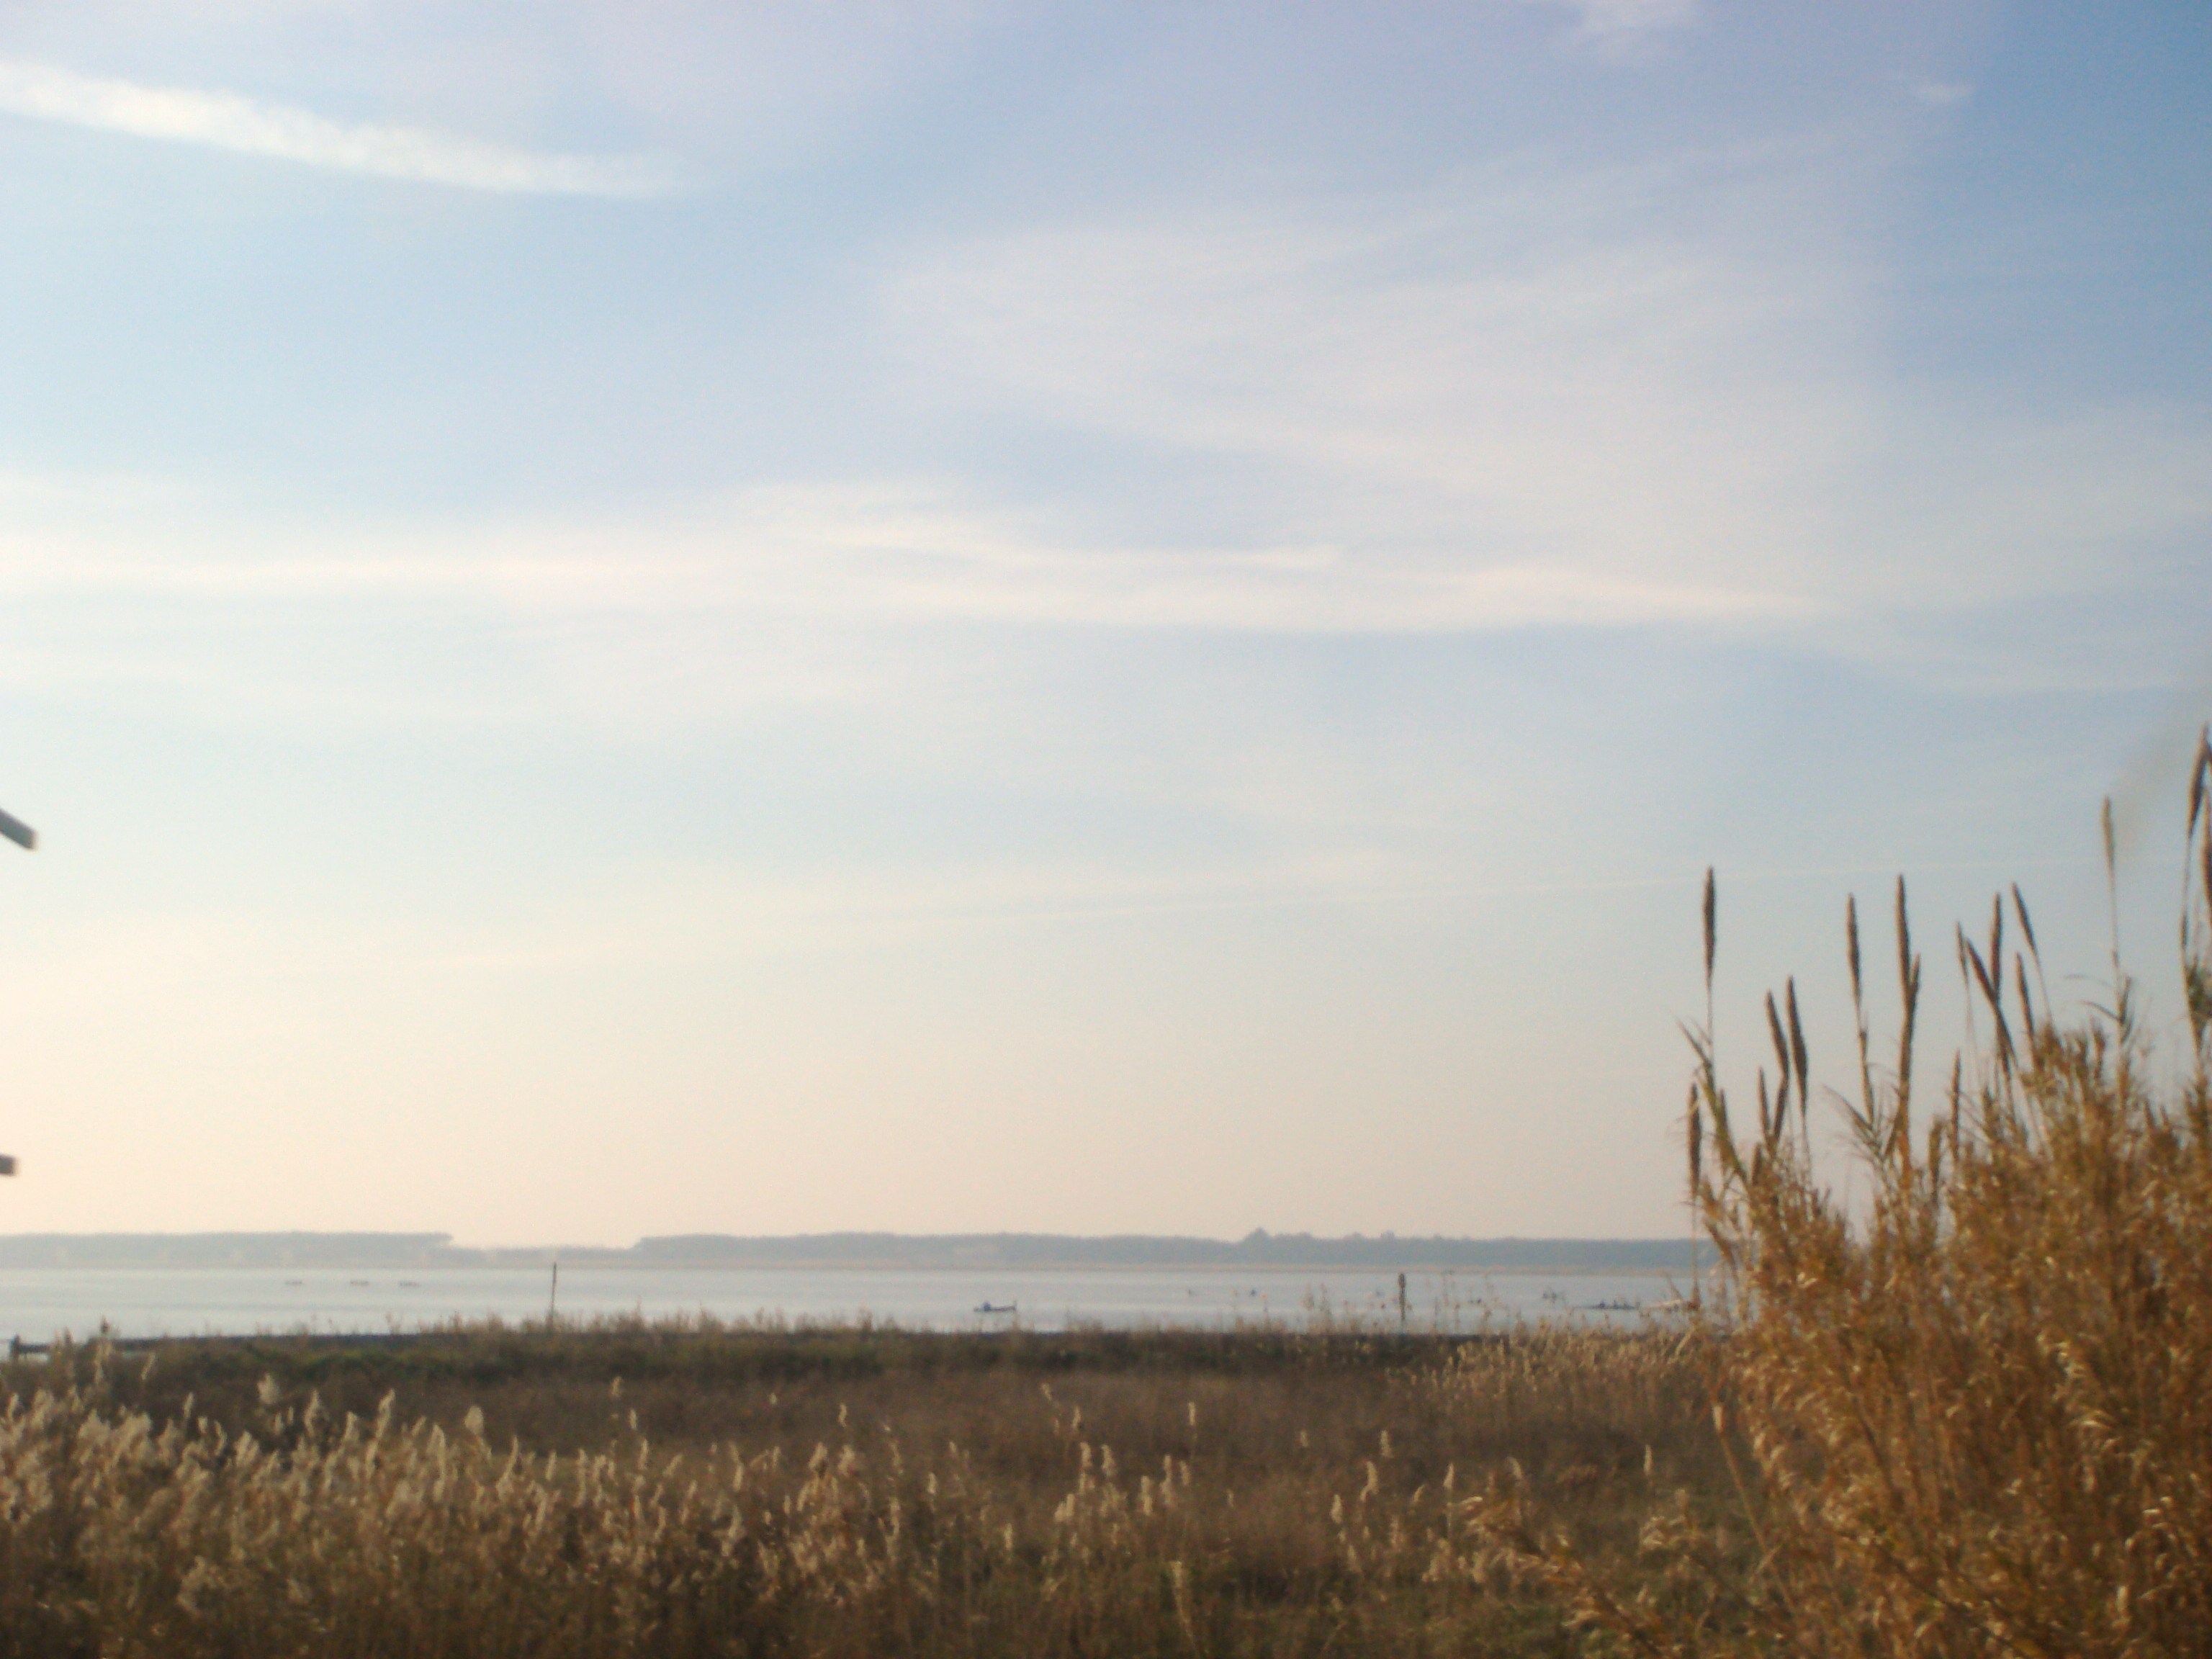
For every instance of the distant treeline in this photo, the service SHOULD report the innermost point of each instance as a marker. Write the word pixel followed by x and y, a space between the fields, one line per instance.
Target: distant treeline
pixel 1255 1250
pixel 944 1250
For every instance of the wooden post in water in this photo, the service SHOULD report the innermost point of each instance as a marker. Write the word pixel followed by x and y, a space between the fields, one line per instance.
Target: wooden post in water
pixel 553 1297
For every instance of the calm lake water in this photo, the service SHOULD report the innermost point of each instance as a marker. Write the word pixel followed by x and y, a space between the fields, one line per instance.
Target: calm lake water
pixel 38 1303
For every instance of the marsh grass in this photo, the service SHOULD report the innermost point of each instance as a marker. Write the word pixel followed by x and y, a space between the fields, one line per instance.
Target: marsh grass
pixel 1975 1416
pixel 675 1489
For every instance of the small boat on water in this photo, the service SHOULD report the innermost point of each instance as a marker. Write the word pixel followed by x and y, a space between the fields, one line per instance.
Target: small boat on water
pixel 997 1307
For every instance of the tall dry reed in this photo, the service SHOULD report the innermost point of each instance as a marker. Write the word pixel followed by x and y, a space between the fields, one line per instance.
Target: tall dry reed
pixel 1976 1417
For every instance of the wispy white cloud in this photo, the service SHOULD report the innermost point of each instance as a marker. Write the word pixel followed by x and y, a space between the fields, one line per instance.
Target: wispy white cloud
pixel 866 553
pixel 1942 94
pixel 832 595
pixel 223 120
pixel 1614 24
pixel 1644 384
pixel 1528 395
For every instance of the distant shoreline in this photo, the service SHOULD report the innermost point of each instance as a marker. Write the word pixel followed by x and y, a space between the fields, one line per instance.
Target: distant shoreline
pixel 1258 1252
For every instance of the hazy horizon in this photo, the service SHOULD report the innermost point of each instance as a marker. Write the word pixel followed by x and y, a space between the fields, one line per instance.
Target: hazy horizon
pixel 1052 618
pixel 981 1251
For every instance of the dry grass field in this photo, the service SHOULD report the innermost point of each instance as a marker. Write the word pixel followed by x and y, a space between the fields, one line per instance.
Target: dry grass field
pixel 675 1489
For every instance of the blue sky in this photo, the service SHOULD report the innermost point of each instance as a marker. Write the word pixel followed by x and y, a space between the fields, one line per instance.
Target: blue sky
pixel 676 617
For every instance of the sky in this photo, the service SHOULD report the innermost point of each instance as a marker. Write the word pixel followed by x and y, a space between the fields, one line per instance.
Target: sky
pixel 770 617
